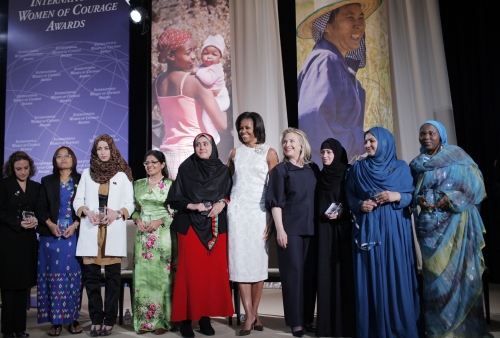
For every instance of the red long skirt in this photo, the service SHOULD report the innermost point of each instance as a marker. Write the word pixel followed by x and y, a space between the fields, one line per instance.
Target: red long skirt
pixel 201 285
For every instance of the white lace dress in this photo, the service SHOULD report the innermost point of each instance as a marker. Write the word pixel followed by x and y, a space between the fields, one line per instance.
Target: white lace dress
pixel 247 216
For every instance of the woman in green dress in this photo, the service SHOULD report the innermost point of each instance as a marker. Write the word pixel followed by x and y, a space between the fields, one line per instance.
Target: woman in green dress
pixel 155 249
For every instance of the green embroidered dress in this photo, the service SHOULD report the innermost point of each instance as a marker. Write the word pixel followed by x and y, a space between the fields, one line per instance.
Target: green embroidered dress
pixel 155 258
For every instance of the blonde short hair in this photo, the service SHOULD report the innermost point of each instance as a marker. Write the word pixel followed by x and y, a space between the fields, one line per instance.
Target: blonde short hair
pixel 305 154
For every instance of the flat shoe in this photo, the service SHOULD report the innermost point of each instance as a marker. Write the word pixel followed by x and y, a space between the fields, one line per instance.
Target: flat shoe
pixel 22 334
pixel 186 329
pixel 205 326
pixel 55 330
pixel 299 333
pixel 106 332
pixel 141 332
pixel 75 328
pixel 160 331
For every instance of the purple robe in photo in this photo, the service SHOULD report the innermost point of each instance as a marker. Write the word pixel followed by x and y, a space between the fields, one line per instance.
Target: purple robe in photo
pixel 331 100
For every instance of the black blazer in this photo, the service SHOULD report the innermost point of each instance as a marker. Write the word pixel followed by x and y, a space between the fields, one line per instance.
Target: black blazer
pixel 49 202
pixel 18 246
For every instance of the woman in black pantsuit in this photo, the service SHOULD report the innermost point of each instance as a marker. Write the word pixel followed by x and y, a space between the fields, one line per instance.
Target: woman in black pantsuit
pixel 290 197
pixel 18 243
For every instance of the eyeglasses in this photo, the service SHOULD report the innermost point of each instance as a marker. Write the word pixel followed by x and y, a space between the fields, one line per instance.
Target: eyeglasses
pixel 60 157
pixel 148 163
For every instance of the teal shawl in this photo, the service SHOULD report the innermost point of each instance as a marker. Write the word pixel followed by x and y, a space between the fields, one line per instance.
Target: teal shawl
pixel 451 243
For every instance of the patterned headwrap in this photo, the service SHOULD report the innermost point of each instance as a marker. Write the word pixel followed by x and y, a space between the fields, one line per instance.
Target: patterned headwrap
pixel 171 39
pixel 318 28
pixel 101 172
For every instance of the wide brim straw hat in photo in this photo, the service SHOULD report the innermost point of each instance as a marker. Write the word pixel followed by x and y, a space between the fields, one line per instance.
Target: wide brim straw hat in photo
pixel 304 30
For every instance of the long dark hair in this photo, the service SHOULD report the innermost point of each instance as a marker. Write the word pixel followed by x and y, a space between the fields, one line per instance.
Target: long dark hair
pixel 55 169
pixel 8 167
pixel 160 157
pixel 258 126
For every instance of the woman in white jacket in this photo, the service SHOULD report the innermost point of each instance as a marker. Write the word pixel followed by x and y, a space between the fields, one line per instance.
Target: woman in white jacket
pixel 103 238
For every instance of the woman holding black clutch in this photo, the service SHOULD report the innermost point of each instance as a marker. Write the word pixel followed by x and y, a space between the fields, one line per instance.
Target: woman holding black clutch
pixel 59 281
pixel 336 313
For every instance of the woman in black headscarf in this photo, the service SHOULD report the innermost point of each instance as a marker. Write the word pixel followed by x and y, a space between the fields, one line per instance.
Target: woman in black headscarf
pixel 200 195
pixel 336 312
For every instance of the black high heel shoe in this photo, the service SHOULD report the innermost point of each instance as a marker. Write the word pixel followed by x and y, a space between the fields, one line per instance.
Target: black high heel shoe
pixel 247 332
pixel 257 327
pixel 309 328
pixel 298 333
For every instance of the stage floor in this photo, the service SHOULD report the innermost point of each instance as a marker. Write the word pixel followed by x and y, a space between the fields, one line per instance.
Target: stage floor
pixel 271 314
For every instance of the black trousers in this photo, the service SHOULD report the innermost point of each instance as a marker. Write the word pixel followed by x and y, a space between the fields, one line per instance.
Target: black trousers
pixel 297 264
pixel 14 310
pixel 92 281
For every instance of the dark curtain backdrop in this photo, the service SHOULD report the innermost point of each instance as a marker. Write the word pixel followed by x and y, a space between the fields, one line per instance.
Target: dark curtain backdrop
pixel 286 17
pixel 471 45
pixel 140 92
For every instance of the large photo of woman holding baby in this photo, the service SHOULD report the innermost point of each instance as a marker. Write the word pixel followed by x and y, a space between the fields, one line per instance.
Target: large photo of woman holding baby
pixel 191 72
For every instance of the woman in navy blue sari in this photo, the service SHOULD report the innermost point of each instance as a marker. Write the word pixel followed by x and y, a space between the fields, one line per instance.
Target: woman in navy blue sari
pixel 379 191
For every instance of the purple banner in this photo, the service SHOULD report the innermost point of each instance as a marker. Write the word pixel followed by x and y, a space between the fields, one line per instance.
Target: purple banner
pixel 67 77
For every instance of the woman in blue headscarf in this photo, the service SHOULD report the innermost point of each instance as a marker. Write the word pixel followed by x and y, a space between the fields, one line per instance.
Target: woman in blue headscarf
pixel 379 190
pixel 449 187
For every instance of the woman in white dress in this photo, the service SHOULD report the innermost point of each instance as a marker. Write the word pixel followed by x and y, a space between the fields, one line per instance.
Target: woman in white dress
pixel 247 217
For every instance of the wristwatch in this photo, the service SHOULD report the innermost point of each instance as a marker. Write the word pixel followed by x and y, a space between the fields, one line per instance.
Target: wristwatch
pixel 119 215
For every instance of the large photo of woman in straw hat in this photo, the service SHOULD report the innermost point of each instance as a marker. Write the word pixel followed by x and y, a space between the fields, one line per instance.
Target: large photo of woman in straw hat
pixel 343 71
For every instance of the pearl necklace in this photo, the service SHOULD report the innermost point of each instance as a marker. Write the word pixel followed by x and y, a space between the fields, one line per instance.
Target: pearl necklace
pixel 151 182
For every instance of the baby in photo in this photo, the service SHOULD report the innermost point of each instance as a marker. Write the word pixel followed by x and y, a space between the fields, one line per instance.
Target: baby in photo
pixel 211 73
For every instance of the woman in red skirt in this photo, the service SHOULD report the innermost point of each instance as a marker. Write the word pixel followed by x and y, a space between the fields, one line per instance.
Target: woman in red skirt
pixel 200 195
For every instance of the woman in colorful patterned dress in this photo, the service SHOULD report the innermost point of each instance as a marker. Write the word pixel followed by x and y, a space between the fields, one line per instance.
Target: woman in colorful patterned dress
pixel 155 248
pixel 450 234
pixel 59 279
